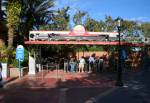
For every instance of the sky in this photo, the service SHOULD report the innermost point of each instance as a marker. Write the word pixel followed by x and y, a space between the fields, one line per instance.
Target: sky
pixel 137 10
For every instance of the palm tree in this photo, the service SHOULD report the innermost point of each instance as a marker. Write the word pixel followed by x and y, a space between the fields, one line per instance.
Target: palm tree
pixel 13 19
pixel 60 19
pixel 93 25
pixel 109 23
pixel 34 14
pixel 78 17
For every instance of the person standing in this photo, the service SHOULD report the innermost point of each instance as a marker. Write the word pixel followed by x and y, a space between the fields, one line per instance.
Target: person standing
pixel 91 62
pixel 81 64
pixel 72 64
pixel 1 78
pixel 101 61
pixel 66 65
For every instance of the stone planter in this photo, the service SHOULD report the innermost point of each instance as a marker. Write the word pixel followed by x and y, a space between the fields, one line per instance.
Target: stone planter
pixel 14 72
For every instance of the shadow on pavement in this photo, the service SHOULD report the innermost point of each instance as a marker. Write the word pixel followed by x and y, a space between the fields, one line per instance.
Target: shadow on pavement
pixel 71 88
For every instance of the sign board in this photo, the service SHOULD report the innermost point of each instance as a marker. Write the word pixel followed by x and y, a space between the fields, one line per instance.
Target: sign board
pixel 136 49
pixel 79 30
pixel 20 52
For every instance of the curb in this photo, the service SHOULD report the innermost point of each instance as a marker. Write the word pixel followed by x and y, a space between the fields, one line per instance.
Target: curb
pixel 7 80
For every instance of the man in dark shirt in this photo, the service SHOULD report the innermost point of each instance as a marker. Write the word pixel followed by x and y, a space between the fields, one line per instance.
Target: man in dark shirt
pixel 66 65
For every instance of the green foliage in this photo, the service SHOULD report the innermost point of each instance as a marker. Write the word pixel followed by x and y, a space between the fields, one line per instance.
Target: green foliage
pixel 110 48
pixel 93 25
pixel 90 48
pixel 11 55
pixel 110 23
pixel 45 27
pixel 13 18
pixel 60 19
pixel 78 17
pixel 3 54
pixel 146 29
pixel 129 26
pixel 95 48
pixel 34 14
pixel 15 63
pixel 13 13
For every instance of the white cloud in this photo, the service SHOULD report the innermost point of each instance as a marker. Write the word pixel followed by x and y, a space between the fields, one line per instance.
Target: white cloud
pixel 139 18
pixel 65 2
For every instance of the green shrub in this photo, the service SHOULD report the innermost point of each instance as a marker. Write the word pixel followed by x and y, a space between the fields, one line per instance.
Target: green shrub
pixel 3 54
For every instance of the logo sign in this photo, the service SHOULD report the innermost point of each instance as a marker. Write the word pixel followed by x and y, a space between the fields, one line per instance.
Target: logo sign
pixel 20 52
pixel 79 30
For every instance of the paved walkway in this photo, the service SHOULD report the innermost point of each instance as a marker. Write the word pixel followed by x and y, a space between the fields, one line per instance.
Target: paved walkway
pixel 60 87
pixel 56 87
pixel 135 90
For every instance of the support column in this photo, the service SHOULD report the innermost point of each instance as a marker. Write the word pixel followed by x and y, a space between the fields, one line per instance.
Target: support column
pixel 40 58
pixel 32 67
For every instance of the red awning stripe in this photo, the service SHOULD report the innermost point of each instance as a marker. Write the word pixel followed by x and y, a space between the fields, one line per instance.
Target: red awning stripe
pixel 80 43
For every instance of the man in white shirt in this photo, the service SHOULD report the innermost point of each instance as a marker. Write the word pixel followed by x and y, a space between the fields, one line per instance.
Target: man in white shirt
pixel 81 64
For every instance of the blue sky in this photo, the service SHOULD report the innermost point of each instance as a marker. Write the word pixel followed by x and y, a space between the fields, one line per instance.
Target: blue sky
pixel 137 10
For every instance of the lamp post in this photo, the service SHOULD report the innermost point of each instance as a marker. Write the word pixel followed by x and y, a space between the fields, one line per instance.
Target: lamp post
pixel 119 69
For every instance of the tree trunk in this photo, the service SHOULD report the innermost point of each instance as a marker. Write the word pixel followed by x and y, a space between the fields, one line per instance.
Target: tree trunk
pixel 10 37
pixel 10 43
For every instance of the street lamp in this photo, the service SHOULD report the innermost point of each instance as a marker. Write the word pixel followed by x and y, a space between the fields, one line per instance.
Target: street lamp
pixel 119 69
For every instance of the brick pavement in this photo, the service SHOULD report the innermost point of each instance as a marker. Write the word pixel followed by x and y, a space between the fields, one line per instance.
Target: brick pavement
pixel 56 87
